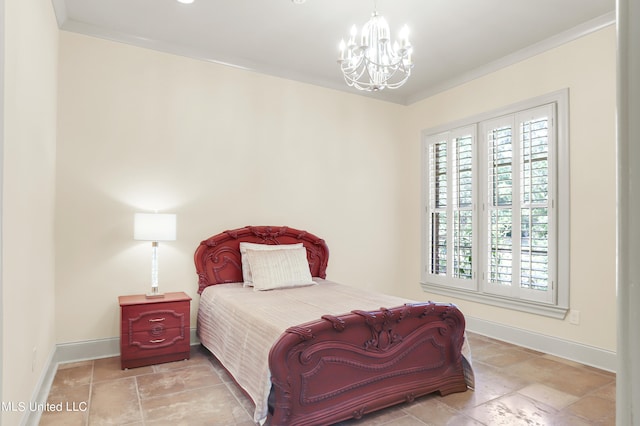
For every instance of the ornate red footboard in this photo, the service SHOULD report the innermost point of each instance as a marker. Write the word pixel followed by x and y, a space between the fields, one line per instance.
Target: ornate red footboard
pixel 342 367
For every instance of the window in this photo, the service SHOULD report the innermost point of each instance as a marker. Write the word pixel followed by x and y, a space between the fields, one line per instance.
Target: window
pixel 496 207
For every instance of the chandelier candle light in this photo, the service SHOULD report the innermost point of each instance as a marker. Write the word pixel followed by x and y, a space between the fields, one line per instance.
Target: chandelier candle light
pixel 154 227
pixel 374 64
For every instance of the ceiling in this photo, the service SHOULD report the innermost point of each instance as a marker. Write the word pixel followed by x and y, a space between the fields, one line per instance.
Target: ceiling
pixel 454 40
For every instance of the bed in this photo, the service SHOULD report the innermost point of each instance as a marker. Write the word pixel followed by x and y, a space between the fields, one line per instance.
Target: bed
pixel 318 352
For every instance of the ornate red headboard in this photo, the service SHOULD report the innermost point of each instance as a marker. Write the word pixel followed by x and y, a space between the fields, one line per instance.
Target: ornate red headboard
pixel 218 258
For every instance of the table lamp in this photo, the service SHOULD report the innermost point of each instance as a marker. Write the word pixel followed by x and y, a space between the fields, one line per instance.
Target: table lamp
pixel 154 227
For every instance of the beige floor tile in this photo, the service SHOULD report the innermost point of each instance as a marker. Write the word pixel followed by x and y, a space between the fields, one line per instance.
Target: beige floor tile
pixel 379 418
pixel 490 373
pixel 594 409
pixel 246 423
pixel 563 418
pixel 405 421
pixel 69 402
pixel 432 411
pixel 459 420
pixel 606 392
pixel 506 357
pixel 212 405
pixel 548 396
pixel 480 368
pixel 196 357
pixel 610 421
pixel 513 410
pixel 216 364
pixel 486 349
pixel 537 369
pixel 73 395
pixel 576 381
pixel 70 418
pixel 176 380
pixel 487 389
pixel 70 406
pixel 114 402
pixel 240 396
pixel 109 369
pixel 73 376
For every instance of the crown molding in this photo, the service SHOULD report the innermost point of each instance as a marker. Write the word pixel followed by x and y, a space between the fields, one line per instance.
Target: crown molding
pixel 558 40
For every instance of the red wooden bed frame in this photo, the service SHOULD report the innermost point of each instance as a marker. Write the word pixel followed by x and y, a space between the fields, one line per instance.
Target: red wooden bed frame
pixel 341 367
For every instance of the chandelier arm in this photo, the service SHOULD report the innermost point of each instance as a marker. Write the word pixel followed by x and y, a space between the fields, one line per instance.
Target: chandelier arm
pixel 353 79
pixel 357 72
pixel 382 83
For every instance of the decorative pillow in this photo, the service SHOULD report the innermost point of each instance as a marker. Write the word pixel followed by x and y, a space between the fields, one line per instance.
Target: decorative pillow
pixel 246 271
pixel 272 269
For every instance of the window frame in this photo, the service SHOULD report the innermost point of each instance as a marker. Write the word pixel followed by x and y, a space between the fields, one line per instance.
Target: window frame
pixel 558 304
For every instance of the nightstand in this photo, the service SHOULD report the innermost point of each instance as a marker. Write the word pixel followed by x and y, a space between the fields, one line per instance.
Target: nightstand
pixel 154 330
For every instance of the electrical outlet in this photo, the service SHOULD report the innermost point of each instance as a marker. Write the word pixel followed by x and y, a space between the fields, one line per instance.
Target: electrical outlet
pixel 574 317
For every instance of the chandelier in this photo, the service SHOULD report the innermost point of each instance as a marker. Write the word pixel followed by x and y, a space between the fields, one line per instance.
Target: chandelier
pixel 373 64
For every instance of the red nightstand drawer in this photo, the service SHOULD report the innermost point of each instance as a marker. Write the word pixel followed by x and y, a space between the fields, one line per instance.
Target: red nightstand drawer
pixel 133 356
pixel 148 340
pixel 154 330
pixel 142 345
pixel 146 318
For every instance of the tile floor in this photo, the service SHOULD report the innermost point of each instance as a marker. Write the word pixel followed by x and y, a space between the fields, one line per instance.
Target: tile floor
pixel 514 386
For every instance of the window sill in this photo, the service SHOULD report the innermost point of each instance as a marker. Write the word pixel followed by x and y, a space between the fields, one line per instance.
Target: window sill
pixel 551 311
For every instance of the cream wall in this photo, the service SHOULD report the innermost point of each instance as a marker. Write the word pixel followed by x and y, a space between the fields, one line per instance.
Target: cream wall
pixel 222 148
pixel 30 88
pixel 587 67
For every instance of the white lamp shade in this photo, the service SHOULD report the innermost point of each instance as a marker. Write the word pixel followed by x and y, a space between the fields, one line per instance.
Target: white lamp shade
pixel 154 227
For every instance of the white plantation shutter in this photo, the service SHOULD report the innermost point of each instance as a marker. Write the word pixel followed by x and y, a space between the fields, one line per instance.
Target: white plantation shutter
pixel 438 206
pixel 463 199
pixel 450 207
pixel 491 224
pixel 499 204
pixel 517 205
pixel 537 212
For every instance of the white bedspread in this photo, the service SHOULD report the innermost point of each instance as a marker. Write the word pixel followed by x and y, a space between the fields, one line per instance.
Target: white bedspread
pixel 239 325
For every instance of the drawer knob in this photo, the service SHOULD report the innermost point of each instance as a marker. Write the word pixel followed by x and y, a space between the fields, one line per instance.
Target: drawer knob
pixel 157 341
pixel 156 320
pixel 157 330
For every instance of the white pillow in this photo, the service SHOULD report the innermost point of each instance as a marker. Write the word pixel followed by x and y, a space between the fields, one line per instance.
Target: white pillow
pixel 272 269
pixel 246 270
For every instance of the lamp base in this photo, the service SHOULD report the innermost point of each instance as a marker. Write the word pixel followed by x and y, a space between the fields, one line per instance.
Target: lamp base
pixel 154 295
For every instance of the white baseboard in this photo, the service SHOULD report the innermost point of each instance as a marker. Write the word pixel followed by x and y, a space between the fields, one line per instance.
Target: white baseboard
pixel 32 418
pixel 584 354
pixel 95 349
pixel 89 349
